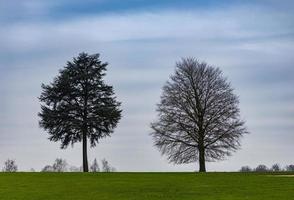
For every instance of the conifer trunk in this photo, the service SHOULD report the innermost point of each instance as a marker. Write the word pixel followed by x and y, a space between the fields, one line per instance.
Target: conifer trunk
pixel 85 156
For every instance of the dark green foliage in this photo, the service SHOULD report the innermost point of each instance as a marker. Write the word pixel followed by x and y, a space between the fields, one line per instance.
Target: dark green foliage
pixel 78 104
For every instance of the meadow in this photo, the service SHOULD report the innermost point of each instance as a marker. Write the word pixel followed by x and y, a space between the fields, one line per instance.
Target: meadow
pixel 140 186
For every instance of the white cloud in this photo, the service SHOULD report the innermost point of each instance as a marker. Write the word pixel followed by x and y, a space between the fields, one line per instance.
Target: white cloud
pixel 228 25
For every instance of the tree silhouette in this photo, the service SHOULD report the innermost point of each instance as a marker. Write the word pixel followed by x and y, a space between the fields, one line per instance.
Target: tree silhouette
pixel 198 115
pixel 59 165
pixel 276 167
pixel 95 167
pixel 106 167
pixel 245 169
pixel 261 168
pixel 78 104
pixel 10 166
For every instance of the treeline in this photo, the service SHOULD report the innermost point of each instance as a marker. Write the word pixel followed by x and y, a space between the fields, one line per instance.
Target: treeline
pixel 263 168
pixel 60 165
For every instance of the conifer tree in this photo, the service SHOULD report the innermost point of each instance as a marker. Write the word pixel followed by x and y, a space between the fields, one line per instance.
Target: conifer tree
pixel 78 105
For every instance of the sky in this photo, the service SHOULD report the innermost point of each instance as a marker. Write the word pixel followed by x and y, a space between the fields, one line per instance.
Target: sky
pixel 251 41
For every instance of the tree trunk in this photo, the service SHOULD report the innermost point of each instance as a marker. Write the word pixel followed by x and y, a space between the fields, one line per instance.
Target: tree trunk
pixel 202 160
pixel 85 131
pixel 201 148
pixel 85 157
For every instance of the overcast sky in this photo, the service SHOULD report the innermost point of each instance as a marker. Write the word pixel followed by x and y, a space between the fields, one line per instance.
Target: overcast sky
pixel 251 41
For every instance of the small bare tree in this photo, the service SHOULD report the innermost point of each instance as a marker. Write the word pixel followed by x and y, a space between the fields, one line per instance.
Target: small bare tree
pixel 10 166
pixel 59 165
pixel 95 167
pixel 276 168
pixel 198 115
pixel 106 167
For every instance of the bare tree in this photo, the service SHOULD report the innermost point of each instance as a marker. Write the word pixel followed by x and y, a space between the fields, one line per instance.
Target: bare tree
pixel 59 165
pixel 106 167
pixel 245 169
pixel 9 166
pixel 198 115
pixel 276 168
pixel 95 167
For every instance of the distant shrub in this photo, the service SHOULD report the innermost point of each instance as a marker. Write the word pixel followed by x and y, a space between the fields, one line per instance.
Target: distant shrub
pixel 245 169
pixel 290 168
pixel 59 165
pixel 261 168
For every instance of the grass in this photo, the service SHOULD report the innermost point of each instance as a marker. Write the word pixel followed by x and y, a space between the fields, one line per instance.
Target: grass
pixel 141 186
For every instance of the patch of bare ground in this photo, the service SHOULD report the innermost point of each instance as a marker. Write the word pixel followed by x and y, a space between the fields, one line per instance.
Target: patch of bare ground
pixel 283 175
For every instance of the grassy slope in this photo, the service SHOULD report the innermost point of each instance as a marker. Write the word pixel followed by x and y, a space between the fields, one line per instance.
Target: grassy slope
pixel 140 186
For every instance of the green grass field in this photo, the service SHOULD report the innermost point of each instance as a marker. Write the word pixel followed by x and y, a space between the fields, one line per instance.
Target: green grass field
pixel 140 186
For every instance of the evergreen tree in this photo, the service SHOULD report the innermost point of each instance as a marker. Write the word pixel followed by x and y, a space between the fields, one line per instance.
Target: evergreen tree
pixel 78 104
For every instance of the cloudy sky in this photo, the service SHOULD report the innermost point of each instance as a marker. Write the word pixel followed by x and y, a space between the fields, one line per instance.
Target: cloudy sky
pixel 251 41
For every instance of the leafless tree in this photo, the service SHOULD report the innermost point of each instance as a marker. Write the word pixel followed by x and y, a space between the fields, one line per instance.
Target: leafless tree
pixel 276 168
pixel 10 166
pixel 59 165
pixel 106 167
pixel 198 115
pixel 95 167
